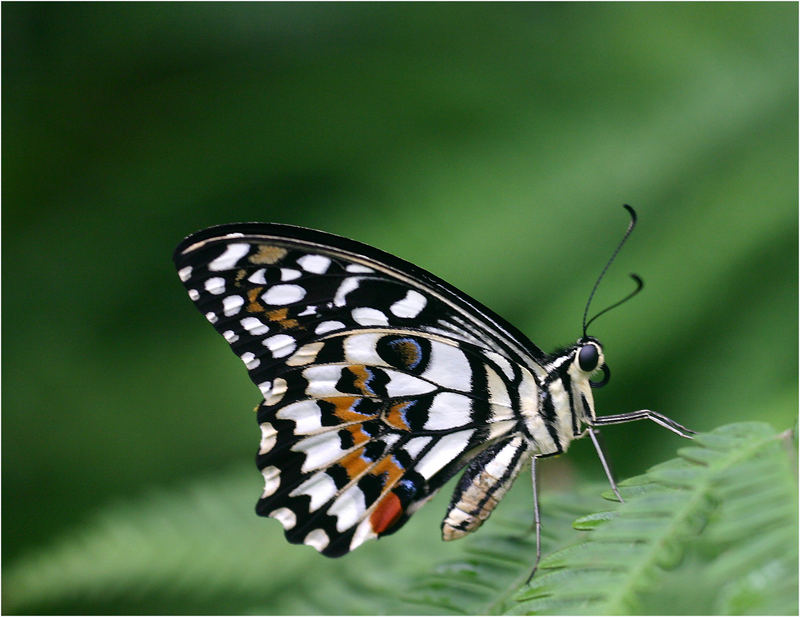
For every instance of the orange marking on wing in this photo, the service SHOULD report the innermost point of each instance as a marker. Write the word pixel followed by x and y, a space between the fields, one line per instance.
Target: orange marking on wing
pixel 354 464
pixel 388 468
pixel 252 296
pixel 386 513
pixel 359 436
pixel 280 315
pixel 395 417
pixel 268 255
pixel 362 376
pixel 344 409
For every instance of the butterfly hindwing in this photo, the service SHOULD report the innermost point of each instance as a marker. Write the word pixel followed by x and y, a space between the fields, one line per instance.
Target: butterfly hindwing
pixel 353 448
pixel 377 382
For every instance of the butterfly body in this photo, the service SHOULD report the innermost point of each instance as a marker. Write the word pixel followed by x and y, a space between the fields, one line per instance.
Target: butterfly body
pixel 380 382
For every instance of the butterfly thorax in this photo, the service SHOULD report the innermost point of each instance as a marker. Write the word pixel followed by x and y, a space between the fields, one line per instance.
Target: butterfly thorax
pixel 565 401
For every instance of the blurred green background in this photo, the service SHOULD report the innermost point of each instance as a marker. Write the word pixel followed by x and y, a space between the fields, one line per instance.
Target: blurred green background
pixel 492 144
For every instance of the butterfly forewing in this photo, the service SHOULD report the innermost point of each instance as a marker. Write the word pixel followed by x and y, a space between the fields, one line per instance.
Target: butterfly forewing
pixel 377 377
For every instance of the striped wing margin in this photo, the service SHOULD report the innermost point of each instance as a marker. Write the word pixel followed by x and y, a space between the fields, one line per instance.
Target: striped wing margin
pixel 377 380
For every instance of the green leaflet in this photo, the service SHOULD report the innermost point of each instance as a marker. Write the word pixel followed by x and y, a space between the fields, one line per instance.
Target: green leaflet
pixel 714 531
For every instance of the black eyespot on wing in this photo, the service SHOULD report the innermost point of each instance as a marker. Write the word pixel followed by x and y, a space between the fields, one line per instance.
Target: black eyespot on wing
pixel 409 353
pixel 588 357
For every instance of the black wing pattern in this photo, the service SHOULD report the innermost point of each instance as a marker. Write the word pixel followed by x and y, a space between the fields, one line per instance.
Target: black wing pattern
pixel 380 381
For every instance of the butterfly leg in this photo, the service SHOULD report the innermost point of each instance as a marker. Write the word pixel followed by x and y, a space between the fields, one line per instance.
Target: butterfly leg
pixel 594 434
pixel 537 521
pixel 645 414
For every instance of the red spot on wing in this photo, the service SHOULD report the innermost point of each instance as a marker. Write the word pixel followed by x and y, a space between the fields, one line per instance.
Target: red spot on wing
pixel 386 514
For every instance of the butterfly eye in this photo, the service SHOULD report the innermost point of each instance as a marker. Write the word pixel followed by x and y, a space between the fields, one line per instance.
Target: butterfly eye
pixel 588 357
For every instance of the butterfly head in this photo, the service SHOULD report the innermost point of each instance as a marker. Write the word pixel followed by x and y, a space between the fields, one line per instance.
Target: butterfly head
pixel 579 364
pixel 588 359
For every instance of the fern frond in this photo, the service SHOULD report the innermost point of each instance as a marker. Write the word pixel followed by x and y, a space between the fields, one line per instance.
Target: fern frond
pixel 713 531
pixel 730 501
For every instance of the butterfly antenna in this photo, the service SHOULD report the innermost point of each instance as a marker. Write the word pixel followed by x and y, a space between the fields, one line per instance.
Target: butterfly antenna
pixel 639 282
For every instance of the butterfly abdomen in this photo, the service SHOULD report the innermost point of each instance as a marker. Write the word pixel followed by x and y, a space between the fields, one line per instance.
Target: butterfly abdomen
pixel 484 483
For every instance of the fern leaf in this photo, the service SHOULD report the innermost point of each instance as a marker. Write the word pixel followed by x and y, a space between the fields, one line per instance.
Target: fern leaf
pixel 730 501
pixel 713 531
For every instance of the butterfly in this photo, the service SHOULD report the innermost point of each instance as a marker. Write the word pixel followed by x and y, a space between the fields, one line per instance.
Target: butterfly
pixel 380 382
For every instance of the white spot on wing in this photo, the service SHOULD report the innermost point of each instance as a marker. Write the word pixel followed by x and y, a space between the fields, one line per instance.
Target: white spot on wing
pixel 359 268
pixel 317 539
pixel 185 273
pixel 366 316
pixel 415 446
pixel 349 284
pixel 272 480
pixel 212 317
pixel 257 278
pixel 328 326
pixel 360 349
pixel 448 367
pixel 321 450
pixel 268 438
pixel 289 274
pixel 401 384
pixel 314 263
pixel 265 387
pixel 320 487
pixel 348 508
pixel 230 336
pixel 283 294
pixel 309 310
pixel 274 394
pixel 280 345
pixel 410 306
pixel 363 533
pixel 322 380
pixel 215 285
pixel 305 355
pixel 232 304
pixel 305 414
pixel 254 326
pixel 194 295
pixel 285 517
pixel 448 410
pixel 232 254
pixel 390 439
pixel 250 360
pixel 445 450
